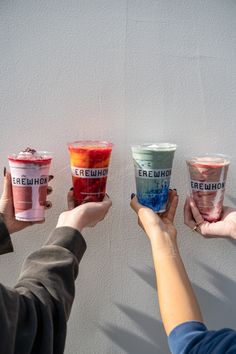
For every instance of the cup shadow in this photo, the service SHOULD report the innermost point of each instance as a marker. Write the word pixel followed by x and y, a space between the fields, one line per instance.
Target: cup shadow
pixel 153 339
pixel 218 312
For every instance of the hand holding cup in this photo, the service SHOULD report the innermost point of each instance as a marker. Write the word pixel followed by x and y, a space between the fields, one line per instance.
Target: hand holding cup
pixel 7 206
pixel 224 228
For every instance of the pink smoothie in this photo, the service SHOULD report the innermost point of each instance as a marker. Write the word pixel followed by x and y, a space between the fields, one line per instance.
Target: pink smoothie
pixel 29 174
pixel 208 174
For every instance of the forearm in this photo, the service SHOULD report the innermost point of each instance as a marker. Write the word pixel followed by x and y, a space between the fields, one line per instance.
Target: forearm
pixel 33 315
pixel 177 301
pixel 55 267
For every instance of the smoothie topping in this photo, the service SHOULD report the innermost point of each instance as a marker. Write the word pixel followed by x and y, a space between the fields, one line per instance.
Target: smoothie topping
pixel 29 154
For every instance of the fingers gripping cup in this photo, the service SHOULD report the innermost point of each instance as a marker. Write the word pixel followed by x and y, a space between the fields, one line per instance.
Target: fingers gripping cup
pixel 153 165
pixel 29 175
pixel 208 175
pixel 89 167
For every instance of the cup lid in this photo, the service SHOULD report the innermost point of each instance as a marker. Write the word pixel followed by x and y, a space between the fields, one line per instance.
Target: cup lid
pixel 29 156
pixel 156 146
pixel 208 159
pixel 90 143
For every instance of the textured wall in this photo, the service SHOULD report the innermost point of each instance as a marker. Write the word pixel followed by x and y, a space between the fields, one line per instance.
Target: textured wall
pixel 128 71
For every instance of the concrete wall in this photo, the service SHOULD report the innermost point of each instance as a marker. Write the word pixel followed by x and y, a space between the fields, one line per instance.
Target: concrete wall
pixel 128 71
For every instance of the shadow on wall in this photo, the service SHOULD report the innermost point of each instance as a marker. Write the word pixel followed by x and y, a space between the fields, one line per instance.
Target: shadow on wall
pixel 131 343
pixel 155 341
pixel 217 313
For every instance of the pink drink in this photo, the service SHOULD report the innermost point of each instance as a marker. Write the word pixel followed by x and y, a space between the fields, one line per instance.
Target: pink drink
pixel 208 175
pixel 29 175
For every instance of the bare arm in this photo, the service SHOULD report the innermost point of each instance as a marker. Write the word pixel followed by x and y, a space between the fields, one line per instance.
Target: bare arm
pixel 177 301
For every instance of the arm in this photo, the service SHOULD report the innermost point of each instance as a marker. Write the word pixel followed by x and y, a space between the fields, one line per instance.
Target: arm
pixel 33 315
pixel 177 301
pixel 179 308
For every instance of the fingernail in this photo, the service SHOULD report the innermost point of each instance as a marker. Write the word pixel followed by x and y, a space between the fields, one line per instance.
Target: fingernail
pixel 48 205
pixel 132 196
pixel 72 188
pixel 4 171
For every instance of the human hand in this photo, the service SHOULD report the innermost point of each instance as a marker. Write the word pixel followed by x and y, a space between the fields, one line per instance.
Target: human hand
pixel 158 227
pixel 225 228
pixel 7 207
pixel 84 215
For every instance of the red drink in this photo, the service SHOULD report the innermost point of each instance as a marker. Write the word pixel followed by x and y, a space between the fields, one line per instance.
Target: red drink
pixel 29 175
pixel 208 175
pixel 89 166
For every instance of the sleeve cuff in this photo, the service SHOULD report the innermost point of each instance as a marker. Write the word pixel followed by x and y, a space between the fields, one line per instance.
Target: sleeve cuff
pixel 5 240
pixel 68 238
pixel 181 335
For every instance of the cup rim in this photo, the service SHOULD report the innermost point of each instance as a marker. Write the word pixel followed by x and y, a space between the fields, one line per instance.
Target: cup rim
pixel 156 146
pixel 46 155
pixel 93 143
pixel 226 159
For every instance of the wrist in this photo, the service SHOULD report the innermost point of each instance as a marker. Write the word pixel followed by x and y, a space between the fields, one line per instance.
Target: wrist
pixel 76 226
pixel 70 220
pixel 164 245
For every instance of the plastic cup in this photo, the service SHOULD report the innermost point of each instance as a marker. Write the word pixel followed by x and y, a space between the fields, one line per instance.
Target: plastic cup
pixel 207 178
pixel 153 165
pixel 89 167
pixel 30 176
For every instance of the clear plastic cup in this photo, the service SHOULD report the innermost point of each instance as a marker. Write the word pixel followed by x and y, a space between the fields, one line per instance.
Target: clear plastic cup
pixel 207 178
pixel 89 167
pixel 153 166
pixel 30 176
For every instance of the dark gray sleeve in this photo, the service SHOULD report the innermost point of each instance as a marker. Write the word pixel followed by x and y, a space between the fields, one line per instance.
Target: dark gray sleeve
pixel 5 240
pixel 33 315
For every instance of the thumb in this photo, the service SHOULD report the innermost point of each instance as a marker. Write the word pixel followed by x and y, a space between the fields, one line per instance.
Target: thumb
pixel 135 205
pixel 107 202
pixel 70 200
pixel 7 186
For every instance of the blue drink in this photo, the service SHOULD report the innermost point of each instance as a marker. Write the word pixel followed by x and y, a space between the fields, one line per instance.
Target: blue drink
pixel 153 164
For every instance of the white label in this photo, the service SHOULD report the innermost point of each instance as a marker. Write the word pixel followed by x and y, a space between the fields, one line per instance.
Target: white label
pixel 148 173
pixel 89 172
pixel 207 186
pixel 25 181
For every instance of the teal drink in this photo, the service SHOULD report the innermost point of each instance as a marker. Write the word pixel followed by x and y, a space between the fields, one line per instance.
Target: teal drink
pixel 153 165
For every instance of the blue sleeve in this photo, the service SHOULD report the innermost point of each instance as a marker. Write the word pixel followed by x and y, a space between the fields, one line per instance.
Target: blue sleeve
pixel 193 337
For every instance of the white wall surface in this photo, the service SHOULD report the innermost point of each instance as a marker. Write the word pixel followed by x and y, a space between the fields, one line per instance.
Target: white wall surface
pixel 127 71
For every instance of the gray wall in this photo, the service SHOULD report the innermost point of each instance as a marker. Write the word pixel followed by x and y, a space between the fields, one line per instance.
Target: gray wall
pixel 128 71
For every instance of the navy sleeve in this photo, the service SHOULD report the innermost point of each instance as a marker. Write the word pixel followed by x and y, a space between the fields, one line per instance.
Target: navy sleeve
pixel 193 337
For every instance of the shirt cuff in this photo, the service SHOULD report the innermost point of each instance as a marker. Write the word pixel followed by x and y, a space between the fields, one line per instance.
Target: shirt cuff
pixel 68 238
pixel 182 334
pixel 5 240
